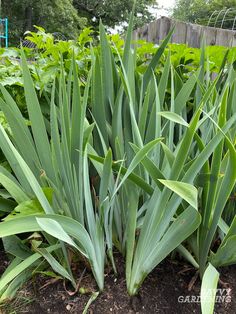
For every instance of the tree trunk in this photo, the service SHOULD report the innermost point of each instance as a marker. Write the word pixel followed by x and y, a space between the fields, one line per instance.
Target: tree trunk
pixel 28 18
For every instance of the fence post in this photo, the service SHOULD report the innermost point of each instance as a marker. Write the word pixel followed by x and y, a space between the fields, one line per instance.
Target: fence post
pixel 6 32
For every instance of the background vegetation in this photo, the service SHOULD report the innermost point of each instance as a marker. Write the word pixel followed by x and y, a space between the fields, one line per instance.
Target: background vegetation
pixel 199 11
pixel 69 17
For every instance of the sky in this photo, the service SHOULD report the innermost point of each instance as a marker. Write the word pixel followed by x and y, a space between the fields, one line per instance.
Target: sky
pixel 165 5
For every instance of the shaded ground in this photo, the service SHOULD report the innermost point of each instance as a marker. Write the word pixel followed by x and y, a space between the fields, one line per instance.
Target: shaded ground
pixel 160 293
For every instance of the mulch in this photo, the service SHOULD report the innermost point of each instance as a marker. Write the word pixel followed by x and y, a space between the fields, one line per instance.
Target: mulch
pixel 172 288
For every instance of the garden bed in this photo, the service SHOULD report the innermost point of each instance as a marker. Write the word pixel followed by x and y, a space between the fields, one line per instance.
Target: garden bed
pixel 167 290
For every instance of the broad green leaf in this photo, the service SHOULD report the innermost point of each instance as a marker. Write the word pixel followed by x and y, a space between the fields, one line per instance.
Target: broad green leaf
pixel 31 207
pixel 132 177
pixel 106 69
pixel 187 191
pixel 65 228
pixel 37 121
pixel 28 262
pixel 225 254
pixel 53 228
pixel 187 255
pixel 15 246
pixel 184 93
pixel 174 117
pixel 14 189
pixel 11 289
pixel 137 159
pixel 26 173
pixel 105 178
pixel 90 301
pixel 6 206
pixel 184 225
pixel 208 289
pixel 156 58
pixel 19 129
pixel 56 266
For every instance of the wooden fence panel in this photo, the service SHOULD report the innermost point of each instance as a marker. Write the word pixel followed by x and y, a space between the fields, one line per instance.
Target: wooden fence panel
pixel 210 35
pixel 188 33
pixel 224 37
pixel 180 33
pixel 193 38
pixel 165 25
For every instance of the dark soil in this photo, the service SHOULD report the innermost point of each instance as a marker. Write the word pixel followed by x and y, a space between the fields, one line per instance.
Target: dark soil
pixel 160 292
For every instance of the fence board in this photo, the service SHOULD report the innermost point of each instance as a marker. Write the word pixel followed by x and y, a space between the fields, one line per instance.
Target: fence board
pixel 180 32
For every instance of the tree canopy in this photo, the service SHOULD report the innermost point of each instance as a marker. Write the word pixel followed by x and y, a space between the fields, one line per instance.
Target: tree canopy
pixel 199 11
pixel 69 16
pixel 53 15
pixel 113 12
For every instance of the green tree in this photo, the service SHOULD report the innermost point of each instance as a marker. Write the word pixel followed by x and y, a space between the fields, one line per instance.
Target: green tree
pixel 199 11
pixel 53 15
pixel 114 12
pixel 191 10
pixel 227 7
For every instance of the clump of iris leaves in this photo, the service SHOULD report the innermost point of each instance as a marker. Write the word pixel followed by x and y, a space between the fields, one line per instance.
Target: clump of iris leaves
pixel 140 162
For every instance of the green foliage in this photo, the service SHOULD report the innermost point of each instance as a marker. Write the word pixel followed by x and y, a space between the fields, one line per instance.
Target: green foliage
pixel 192 10
pixel 209 283
pixel 55 16
pixel 199 11
pixel 45 60
pixel 44 63
pixel 114 12
pixel 69 17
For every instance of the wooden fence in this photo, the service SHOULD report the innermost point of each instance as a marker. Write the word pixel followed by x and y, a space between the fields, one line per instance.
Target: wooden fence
pixel 188 33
